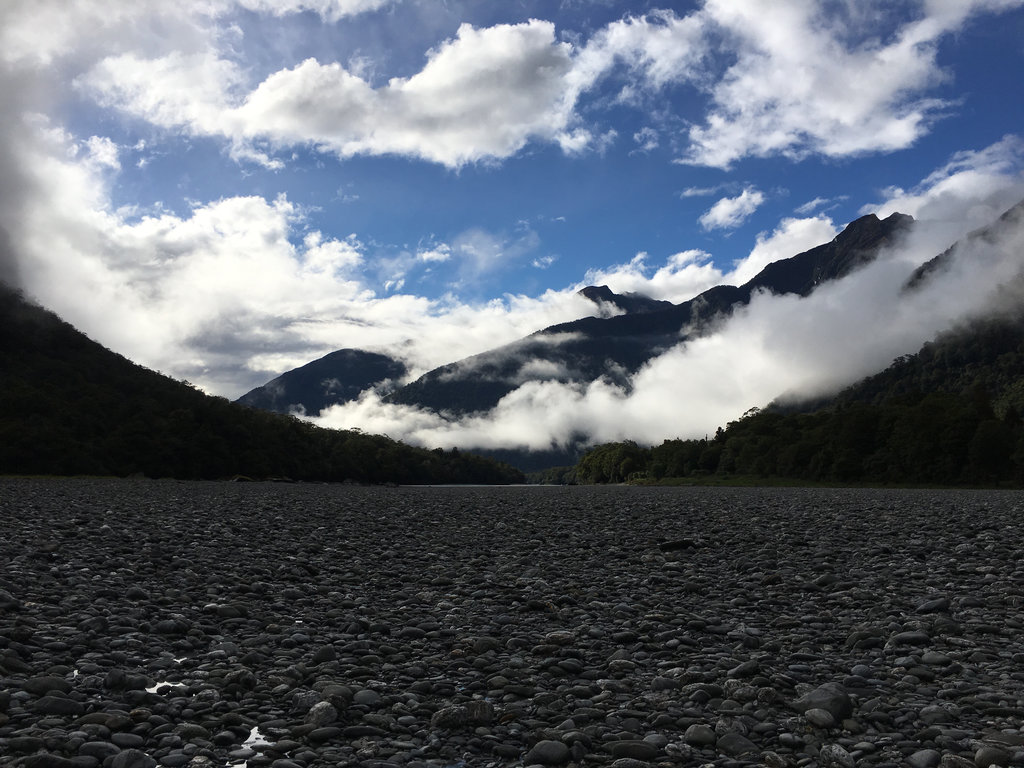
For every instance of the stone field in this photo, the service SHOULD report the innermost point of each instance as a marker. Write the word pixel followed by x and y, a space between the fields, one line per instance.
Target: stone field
pixel 147 623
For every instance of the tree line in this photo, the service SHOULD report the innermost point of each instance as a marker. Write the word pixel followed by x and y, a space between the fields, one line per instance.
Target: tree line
pixel 947 415
pixel 68 406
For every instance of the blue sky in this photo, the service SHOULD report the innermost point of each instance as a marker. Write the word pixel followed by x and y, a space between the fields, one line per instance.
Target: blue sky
pixel 226 189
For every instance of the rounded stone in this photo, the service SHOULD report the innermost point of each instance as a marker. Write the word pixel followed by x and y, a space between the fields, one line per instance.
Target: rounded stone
pixel 990 755
pixel 547 752
pixel 924 758
pixel 367 698
pixel 700 735
pixel 819 718
pixel 132 758
pixel 638 750
pixel 835 756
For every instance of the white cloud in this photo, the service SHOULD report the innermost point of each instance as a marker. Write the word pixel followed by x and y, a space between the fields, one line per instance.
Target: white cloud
pixel 480 96
pixel 102 152
pixel 437 253
pixel 646 139
pixel 328 10
pixel 174 90
pixel 682 277
pixel 699 191
pixel 790 237
pixel 730 212
pixel 837 79
pixel 984 182
pixel 659 48
pixel 821 204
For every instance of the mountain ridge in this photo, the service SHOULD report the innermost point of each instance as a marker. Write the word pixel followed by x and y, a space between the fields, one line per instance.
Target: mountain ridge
pixel 589 348
pixel 337 377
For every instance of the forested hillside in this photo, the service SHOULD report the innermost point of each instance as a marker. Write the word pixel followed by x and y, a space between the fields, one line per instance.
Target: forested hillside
pixel 948 415
pixel 70 406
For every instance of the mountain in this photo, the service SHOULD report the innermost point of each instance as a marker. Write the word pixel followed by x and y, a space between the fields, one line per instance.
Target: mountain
pixel 629 303
pixel 613 348
pixel 69 406
pixel 948 414
pixel 334 378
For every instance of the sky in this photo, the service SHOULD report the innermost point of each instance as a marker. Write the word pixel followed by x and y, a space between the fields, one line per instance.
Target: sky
pixel 223 190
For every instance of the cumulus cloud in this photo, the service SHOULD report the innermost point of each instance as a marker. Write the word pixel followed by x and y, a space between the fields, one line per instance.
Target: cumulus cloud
pixel 436 253
pixel 681 277
pixel 480 96
pixel 660 48
pixel 328 10
pixel 837 79
pixel 821 78
pixel 730 212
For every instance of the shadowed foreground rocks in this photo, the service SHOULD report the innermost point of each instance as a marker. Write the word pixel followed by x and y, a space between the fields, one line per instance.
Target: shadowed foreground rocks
pixel 204 624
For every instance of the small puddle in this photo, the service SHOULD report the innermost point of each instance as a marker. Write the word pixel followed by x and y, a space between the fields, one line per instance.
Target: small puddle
pixel 153 688
pixel 256 738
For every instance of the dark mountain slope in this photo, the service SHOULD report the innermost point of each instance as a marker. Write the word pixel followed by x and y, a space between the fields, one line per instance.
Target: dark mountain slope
pixel 984 358
pixel 70 406
pixel 949 414
pixel 630 303
pixel 334 378
pixel 593 347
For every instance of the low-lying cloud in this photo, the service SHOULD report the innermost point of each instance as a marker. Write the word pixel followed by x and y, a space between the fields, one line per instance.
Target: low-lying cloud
pixel 776 346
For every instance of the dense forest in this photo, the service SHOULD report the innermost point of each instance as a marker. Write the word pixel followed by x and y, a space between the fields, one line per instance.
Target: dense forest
pixel 947 415
pixel 68 406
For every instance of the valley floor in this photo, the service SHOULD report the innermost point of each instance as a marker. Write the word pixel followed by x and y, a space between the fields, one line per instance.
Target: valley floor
pixel 208 624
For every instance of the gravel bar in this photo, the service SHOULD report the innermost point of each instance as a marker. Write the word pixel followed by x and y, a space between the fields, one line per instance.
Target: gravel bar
pixel 161 623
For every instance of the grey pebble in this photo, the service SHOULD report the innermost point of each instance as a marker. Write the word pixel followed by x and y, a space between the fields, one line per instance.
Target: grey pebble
pixel 835 756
